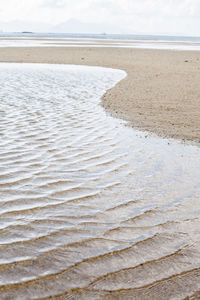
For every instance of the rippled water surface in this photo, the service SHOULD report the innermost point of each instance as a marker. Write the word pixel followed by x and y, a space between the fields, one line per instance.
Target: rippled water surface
pixel 90 209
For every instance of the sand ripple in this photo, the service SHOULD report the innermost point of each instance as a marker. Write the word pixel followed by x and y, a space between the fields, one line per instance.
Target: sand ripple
pixel 90 209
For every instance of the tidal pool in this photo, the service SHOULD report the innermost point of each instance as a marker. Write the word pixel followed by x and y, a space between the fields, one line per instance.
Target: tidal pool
pixel 89 208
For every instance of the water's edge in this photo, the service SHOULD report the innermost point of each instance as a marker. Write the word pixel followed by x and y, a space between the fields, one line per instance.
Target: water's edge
pixel 90 208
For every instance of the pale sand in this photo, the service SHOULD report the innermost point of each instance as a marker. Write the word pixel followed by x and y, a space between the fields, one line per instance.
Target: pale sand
pixel 161 93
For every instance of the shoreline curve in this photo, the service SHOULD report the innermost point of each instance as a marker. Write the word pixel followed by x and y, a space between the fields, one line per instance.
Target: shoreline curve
pixel 160 93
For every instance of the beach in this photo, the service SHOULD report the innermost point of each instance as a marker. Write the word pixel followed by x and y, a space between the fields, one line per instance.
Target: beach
pixel 90 207
pixel 160 94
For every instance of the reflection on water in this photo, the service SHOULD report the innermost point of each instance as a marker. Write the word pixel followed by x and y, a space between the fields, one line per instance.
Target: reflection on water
pixel 90 209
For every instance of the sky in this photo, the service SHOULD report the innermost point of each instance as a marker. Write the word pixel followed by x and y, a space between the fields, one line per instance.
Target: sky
pixel 112 16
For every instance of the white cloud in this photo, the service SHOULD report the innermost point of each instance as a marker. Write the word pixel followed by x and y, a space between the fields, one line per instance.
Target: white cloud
pixel 147 16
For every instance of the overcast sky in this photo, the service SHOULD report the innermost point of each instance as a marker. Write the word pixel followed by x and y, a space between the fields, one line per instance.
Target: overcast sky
pixel 123 16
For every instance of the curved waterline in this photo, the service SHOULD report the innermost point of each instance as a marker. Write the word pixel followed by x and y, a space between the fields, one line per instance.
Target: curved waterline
pixel 90 209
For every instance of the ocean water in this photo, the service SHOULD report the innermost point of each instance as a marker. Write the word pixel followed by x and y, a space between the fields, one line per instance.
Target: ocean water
pixel 103 36
pixel 89 208
pixel 99 40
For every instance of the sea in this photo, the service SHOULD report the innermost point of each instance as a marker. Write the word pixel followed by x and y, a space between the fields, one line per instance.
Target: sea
pixel 111 40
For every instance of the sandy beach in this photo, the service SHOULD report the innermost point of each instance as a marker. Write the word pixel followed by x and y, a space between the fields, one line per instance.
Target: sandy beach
pixel 160 94
pixel 91 209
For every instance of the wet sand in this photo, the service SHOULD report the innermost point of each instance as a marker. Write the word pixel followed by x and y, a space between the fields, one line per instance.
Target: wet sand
pixel 161 93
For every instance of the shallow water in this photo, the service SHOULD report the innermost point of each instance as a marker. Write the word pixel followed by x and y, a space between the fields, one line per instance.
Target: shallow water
pixel 90 209
pixel 173 44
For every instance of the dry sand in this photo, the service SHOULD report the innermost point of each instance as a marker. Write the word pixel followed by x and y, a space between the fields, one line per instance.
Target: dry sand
pixel 161 93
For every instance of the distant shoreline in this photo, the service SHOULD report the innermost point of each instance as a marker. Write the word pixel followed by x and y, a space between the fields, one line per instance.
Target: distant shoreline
pixel 104 35
pixel 161 93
